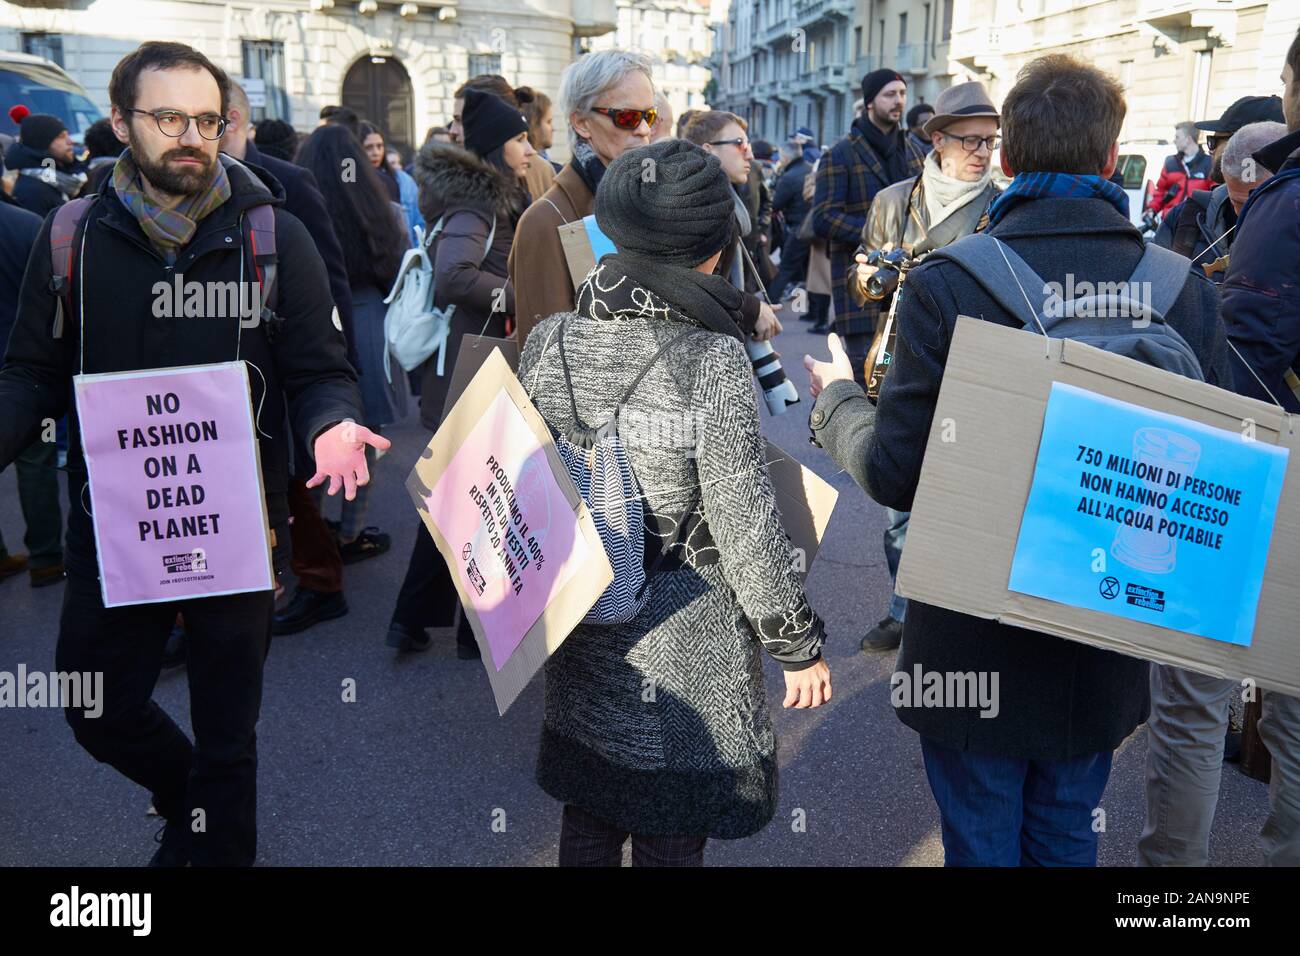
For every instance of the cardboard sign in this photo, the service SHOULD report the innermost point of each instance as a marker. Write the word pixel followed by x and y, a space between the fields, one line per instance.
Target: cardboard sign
pixel 175 483
pixel 519 541
pixel 1184 510
pixel 583 244
pixel 805 502
pixel 474 351
pixel 980 466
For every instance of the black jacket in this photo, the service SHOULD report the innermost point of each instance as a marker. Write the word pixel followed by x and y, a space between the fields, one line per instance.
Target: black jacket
pixel 308 378
pixel 1261 294
pixel 18 231
pixel 1200 221
pixel 29 192
pixel 787 197
pixel 303 200
pixel 1058 699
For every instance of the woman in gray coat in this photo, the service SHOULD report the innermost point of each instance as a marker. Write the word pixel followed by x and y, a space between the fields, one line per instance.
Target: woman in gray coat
pixel 658 729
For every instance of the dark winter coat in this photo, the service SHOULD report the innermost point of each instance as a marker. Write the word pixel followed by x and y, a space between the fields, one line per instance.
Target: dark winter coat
pixel 1201 221
pixel 1059 699
pixel 303 200
pixel 469 195
pixel 1261 295
pixel 787 197
pixel 308 380
pixel 18 231
pixel 31 193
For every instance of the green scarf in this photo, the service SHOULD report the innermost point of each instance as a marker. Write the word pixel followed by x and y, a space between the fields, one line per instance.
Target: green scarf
pixel 167 229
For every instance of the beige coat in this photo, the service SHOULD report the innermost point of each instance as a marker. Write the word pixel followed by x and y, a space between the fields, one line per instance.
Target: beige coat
pixel 539 271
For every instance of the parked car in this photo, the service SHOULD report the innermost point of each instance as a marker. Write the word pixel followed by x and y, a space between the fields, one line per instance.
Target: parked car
pixel 1140 162
pixel 43 87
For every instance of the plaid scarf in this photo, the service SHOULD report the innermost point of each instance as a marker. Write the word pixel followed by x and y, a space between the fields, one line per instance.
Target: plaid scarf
pixel 167 229
pixel 1027 186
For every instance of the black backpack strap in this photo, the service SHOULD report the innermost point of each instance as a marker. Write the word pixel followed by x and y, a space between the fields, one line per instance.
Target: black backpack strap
pixel 650 364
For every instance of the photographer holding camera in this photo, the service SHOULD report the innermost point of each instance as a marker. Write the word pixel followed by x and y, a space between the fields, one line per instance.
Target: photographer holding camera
pixel 950 199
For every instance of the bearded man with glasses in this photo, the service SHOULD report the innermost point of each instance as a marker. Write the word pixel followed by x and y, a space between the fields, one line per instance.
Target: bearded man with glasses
pixel 174 210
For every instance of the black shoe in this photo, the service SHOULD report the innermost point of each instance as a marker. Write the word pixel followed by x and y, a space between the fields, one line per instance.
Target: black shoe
pixel 885 636
pixel 306 608
pixel 404 639
pixel 1232 747
pixel 174 652
pixel 821 328
pixel 466 646
pixel 173 846
pixel 370 543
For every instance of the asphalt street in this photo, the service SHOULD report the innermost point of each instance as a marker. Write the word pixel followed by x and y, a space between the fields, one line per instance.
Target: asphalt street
pixel 419 768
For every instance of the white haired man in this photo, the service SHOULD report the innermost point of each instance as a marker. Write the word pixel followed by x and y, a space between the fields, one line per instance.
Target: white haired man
pixel 608 100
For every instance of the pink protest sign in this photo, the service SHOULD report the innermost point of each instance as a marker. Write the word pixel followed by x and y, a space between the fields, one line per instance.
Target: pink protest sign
pixel 500 505
pixel 175 483
pixel 520 544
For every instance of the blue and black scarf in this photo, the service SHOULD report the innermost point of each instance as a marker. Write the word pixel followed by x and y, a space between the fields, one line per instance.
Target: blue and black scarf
pixel 1027 186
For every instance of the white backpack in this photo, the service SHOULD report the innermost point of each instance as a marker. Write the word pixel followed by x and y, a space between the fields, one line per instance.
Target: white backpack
pixel 414 328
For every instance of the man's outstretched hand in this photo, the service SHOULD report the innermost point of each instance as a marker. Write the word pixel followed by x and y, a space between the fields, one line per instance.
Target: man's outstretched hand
pixel 341 457
pixel 821 374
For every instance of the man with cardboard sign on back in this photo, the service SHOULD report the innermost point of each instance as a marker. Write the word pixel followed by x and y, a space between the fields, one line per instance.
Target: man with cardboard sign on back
pixel 1018 783
pixel 99 301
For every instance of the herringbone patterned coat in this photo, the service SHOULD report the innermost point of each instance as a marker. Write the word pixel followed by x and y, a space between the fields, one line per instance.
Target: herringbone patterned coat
pixel 661 726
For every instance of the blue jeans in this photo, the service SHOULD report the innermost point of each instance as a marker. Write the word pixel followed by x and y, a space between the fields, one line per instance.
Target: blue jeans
pixel 895 536
pixel 1003 811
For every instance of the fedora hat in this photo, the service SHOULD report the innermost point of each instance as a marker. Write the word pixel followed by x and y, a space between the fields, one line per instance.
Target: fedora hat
pixel 958 103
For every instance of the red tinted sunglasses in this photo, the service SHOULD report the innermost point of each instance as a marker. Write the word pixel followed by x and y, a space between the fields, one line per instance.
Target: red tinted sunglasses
pixel 628 119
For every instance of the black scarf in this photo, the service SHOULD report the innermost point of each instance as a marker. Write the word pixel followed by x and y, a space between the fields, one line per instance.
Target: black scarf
pixel 888 146
pixel 587 165
pixel 615 290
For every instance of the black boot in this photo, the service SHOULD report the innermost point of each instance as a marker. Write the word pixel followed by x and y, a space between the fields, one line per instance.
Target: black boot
pixel 173 841
pixel 885 636
pixel 407 639
pixel 307 608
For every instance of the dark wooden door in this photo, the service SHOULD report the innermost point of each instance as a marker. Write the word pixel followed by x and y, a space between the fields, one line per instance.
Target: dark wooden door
pixel 381 93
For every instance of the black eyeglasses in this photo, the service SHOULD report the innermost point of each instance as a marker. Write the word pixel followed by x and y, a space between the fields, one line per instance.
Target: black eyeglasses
pixel 1212 142
pixel 972 143
pixel 627 118
pixel 740 142
pixel 174 123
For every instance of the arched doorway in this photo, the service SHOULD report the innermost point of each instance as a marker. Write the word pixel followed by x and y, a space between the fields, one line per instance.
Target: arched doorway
pixel 379 89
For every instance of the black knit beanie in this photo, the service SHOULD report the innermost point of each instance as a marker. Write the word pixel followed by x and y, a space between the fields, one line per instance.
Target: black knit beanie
pixel 669 201
pixel 36 130
pixel 489 121
pixel 875 81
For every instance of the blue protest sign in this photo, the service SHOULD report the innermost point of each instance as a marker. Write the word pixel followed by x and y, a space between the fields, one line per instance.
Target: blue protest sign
pixel 1148 516
pixel 600 243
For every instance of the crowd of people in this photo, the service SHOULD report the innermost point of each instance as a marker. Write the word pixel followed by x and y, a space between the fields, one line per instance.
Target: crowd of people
pixel 722 239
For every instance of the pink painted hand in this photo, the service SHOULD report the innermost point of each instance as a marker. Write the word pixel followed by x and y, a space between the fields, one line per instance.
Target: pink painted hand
pixel 341 457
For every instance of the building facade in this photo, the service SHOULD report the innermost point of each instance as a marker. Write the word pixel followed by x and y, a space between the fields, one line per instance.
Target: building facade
pixel 781 64
pixel 1177 59
pixel 678 34
pixel 395 63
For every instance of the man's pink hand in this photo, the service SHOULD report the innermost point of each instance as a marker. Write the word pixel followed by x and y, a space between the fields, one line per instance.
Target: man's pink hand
pixel 341 457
